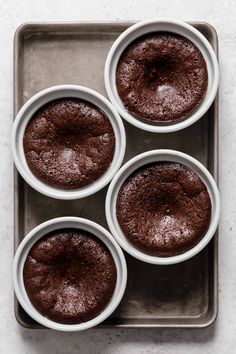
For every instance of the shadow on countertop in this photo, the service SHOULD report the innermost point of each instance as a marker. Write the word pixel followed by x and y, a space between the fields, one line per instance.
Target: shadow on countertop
pixel 128 341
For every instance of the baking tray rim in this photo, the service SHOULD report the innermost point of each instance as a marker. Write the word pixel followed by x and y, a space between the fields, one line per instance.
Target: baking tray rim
pixel 20 30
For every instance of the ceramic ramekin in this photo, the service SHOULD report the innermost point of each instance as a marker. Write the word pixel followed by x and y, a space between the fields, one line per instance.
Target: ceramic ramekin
pixel 166 25
pixel 142 160
pixel 60 223
pixel 40 99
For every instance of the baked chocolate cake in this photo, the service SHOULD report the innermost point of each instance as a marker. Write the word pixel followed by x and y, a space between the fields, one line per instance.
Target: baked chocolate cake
pixel 69 276
pixel 164 209
pixel 161 77
pixel 69 143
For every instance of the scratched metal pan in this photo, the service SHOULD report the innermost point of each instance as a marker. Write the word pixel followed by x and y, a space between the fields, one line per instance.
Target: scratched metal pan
pixel 182 295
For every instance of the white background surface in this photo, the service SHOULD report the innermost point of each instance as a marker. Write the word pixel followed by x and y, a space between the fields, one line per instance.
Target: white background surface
pixel 220 338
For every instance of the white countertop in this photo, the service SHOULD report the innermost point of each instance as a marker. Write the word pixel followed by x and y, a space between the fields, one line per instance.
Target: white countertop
pixel 220 338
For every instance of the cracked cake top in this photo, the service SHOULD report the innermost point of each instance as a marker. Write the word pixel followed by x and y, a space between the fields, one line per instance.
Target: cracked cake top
pixel 161 77
pixel 164 209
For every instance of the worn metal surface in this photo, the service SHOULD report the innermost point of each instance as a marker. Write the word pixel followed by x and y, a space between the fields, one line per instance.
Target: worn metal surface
pixel 183 295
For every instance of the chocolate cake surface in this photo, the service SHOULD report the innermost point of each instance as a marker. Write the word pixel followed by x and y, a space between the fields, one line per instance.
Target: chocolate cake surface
pixel 69 143
pixel 164 209
pixel 69 276
pixel 161 77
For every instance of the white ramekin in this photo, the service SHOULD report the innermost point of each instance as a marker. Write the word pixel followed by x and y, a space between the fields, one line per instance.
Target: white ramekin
pixel 37 101
pixel 142 160
pixel 60 223
pixel 166 25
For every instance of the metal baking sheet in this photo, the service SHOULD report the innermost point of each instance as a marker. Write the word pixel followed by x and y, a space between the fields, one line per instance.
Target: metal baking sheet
pixel 183 295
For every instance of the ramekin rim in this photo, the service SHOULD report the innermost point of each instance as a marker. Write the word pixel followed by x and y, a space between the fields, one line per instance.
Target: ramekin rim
pixel 58 193
pixel 179 125
pixel 131 249
pixel 30 240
